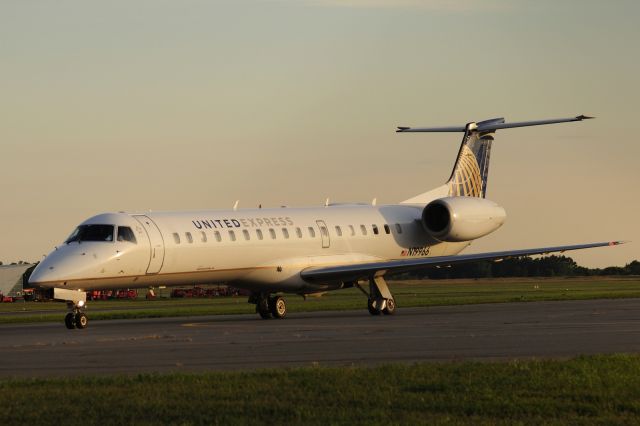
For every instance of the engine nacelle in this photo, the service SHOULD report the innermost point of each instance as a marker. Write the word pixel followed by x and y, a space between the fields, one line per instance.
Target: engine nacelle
pixel 455 219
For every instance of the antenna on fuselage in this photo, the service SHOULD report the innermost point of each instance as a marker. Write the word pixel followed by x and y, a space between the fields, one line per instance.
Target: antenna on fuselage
pixel 374 201
pixel 326 202
pixel 235 206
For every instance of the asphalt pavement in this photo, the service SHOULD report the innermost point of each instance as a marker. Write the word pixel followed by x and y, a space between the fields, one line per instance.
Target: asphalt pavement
pixel 233 342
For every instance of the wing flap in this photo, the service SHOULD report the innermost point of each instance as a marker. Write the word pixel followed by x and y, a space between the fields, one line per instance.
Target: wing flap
pixel 359 271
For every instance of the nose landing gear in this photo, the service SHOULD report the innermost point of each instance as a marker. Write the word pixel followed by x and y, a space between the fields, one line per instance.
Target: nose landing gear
pixel 76 303
pixel 75 318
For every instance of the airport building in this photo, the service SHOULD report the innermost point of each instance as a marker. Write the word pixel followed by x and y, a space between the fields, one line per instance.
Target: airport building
pixel 11 279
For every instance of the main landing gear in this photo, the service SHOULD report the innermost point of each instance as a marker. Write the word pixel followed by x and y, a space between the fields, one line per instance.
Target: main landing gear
pixel 76 303
pixel 269 306
pixel 379 298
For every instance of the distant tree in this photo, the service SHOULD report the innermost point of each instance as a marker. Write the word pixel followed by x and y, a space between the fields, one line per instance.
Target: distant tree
pixel 548 266
pixel 613 270
pixel 633 268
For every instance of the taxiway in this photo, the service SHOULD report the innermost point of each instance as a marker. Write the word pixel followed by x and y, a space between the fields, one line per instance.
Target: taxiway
pixel 477 332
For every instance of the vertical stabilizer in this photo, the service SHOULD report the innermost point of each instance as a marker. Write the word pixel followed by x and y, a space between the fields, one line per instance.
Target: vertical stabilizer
pixel 471 170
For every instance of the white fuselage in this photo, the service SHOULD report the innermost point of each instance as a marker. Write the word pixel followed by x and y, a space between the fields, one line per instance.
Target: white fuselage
pixel 256 249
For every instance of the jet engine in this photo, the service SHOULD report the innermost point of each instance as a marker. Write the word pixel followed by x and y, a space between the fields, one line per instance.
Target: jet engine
pixel 455 219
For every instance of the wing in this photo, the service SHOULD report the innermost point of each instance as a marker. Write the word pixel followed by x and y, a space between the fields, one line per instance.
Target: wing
pixel 357 271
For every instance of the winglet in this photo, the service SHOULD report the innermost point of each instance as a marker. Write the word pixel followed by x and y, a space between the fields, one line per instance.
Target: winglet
pixel 617 243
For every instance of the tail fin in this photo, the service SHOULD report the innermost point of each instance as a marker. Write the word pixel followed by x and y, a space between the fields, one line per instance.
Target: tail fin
pixel 471 170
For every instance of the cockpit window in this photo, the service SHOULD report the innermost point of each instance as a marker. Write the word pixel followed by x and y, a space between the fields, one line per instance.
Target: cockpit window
pixel 92 233
pixel 126 234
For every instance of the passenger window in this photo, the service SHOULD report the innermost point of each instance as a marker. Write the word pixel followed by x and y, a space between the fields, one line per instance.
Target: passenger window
pixel 232 235
pixel 176 237
pixel 246 234
pixel 259 233
pixel 386 229
pixel 272 232
pixel 299 232
pixel 323 231
pixel 398 228
pixel 353 230
pixel 217 235
pixel 338 231
pixel 204 237
pixel 375 229
pixel 285 232
pixel 189 237
pixel 363 229
pixel 312 232
pixel 126 234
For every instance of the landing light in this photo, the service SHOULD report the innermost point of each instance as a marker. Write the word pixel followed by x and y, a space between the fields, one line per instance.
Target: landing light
pixel 80 303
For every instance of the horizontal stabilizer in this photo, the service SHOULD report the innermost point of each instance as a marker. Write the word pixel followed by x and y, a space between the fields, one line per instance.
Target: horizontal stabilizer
pixel 431 129
pixel 491 125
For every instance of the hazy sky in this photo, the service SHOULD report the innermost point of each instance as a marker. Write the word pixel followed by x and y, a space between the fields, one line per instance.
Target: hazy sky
pixel 186 104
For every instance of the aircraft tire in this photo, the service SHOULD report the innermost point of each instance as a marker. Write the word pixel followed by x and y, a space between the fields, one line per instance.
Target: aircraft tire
pixel 390 307
pixel 81 320
pixel 262 308
pixel 70 321
pixel 278 307
pixel 371 307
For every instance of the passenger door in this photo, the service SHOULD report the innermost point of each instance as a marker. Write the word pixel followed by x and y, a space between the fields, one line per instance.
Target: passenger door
pixel 324 233
pixel 156 243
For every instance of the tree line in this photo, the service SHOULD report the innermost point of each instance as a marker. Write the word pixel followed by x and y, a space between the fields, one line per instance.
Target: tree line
pixel 19 262
pixel 548 266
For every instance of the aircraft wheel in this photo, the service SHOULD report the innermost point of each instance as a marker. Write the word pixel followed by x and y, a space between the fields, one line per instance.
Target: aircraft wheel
pixel 262 308
pixel 390 307
pixel 278 307
pixel 371 306
pixel 70 321
pixel 81 320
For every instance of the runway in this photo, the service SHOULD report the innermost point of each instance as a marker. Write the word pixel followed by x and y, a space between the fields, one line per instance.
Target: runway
pixel 469 332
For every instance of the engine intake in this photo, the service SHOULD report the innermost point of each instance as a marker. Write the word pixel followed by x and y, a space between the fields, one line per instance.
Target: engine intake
pixel 455 219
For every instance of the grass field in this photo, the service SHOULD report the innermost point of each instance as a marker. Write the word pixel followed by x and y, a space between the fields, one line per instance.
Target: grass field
pixel 407 294
pixel 601 390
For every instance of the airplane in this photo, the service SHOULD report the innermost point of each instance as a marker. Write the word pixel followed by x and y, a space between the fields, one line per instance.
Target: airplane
pixel 302 251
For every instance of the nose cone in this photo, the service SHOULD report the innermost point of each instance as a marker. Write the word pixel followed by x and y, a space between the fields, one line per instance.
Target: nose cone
pixel 37 276
pixel 46 274
pixel 62 264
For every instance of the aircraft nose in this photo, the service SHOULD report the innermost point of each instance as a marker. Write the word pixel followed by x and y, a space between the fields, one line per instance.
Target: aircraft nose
pixel 42 273
pixel 54 269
